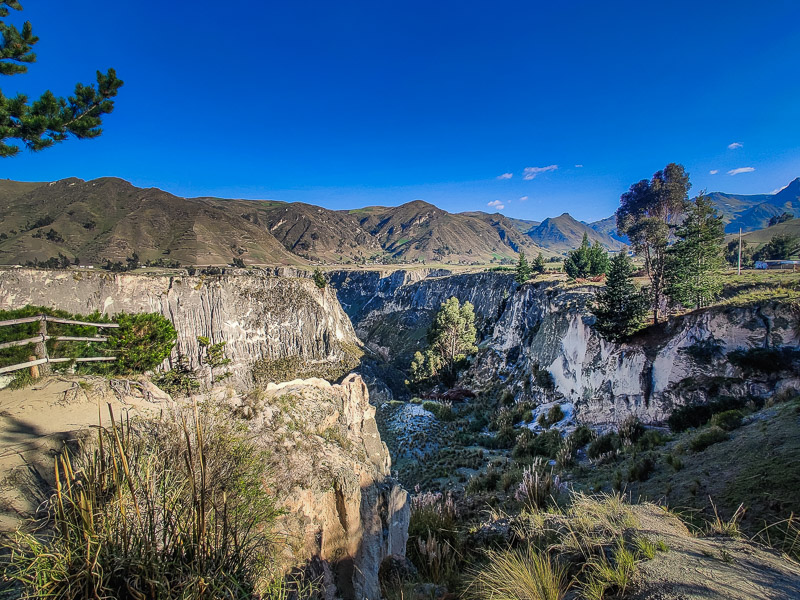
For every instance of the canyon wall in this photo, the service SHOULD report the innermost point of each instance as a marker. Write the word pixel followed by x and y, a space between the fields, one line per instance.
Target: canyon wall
pixel 262 318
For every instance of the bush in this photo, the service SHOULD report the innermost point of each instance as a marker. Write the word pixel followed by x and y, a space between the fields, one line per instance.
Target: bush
pixel 697 415
pixel 630 430
pixel 553 416
pixel 581 436
pixel 159 510
pixel 529 444
pixel 641 469
pixel 765 360
pixel 707 438
pixel 728 420
pixel 651 439
pixel 141 342
pixel 604 444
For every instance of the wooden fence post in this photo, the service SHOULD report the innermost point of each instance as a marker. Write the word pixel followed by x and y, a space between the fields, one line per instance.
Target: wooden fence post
pixel 41 348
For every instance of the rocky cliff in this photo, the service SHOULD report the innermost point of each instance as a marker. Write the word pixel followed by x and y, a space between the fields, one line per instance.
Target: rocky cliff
pixel 545 348
pixel 332 472
pixel 271 324
pixel 538 341
pixel 391 311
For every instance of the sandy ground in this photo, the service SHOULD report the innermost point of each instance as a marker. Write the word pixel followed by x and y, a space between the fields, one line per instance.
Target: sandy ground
pixel 37 422
pixel 713 567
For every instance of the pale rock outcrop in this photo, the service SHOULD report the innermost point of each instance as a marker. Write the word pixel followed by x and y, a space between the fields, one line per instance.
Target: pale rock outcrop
pixel 332 474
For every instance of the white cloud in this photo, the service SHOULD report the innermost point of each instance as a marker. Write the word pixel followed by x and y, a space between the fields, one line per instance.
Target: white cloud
pixel 531 172
pixel 713 171
pixel 734 145
pixel 505 176
pixel 741 170
pixel 523 198
pixel 496 204
pixel 578 166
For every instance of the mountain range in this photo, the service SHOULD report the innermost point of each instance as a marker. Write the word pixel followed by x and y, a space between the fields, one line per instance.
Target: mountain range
pixel 111 219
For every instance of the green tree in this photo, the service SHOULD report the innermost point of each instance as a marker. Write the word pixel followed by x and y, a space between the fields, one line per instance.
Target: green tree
pixel 213 355
pixel 49 119
pixel 538 265
pixel 695 260
pixel 732 253
pixel 319 279
pixel 586 261
pixel 780 247
pixel 451 339
pixel 619 307
pixel 523 269
pixel 648 214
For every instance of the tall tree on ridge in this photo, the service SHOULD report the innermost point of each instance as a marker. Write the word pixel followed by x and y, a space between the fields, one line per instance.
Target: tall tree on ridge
pixel 648 214
pixel 694 273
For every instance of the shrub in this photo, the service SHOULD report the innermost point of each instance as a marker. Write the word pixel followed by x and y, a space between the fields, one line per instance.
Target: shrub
pixel 581 436
pixel 697 415
pixel 141 342
pixel 608 442
pixel 765 360
pixel 529 444
pixel 553 416
pixel 641 469
pixel 159 510
pixel 651 439
pixel 728 420
pixel 707 438
pixel 630 430
pixel 180 380
pixel 441 410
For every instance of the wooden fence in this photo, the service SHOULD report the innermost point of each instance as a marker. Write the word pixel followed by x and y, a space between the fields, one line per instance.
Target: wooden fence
pixel 41 343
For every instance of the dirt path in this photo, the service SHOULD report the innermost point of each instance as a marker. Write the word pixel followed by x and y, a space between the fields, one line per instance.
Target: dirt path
pixel 710 568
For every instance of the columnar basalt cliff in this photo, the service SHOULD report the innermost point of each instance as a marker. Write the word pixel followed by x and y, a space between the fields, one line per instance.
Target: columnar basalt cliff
pixel 262 318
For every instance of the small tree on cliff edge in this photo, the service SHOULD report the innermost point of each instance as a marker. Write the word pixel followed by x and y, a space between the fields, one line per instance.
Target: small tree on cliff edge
pixel 586 261
pixel 49 119
pixel 538 265
pixel 523 269
pixel 451 338
pixel 619 307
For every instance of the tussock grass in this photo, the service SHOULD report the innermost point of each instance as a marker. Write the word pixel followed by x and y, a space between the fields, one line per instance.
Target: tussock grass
pixel 174 508
pixel 522 574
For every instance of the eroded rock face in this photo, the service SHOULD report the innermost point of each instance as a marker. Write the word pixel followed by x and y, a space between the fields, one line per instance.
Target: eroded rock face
pixel 545 348
pixel 259 316
pixel 332 474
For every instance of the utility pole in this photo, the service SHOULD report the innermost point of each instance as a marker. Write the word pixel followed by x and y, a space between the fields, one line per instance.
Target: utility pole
pixel 740 251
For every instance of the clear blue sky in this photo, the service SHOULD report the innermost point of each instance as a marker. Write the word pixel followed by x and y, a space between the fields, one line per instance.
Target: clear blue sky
pixel 346 104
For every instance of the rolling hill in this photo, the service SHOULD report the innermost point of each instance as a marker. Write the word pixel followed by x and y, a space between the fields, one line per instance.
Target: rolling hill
pixel 110 219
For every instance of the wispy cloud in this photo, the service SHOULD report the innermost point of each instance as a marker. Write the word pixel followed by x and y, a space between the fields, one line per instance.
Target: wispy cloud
pixel 734 145
pixel 531 172
pixel 741 170
pixel 505 176
pixel 713 171
pixel 578 166
pixel 523 198
pixel 496 204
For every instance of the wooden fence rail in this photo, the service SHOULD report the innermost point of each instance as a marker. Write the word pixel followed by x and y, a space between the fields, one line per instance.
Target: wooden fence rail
pixel 40 340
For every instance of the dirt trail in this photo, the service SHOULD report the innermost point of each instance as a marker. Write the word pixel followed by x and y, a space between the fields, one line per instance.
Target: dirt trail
pixel 710 568
pixel 36 423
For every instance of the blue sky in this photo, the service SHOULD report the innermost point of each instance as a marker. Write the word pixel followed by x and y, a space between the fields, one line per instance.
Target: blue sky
pixel 346 104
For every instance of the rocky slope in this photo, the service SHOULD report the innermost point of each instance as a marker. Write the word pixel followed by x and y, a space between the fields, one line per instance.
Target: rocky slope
pixel 272 325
